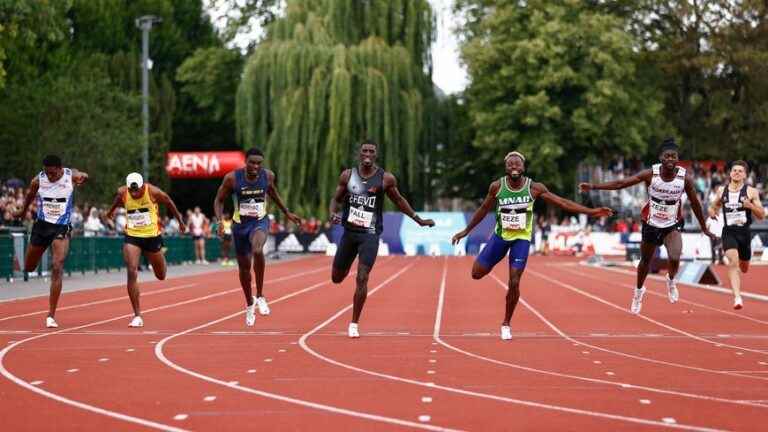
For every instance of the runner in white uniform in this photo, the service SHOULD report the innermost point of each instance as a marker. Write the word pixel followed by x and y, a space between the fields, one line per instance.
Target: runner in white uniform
pixel 52 189
pixel 662 215
pixel 197 222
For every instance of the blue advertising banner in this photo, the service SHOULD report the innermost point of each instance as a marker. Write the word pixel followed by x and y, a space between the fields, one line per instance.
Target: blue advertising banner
pixel 419 240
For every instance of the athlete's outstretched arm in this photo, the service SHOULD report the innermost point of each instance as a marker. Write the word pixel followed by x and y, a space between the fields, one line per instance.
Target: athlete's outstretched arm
pixel 714 207
pixel 752 202
pixel 541 191
pixel 79 177
pixel 642 176
pixel 160 196
pixel 34 185
pixel 338 196
pixel 690 190
pixel 275 195
pixel 390 188
pixel 480 213
pixel 117 202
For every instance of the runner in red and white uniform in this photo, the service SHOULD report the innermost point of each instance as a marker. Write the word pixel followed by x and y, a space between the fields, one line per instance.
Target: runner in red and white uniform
pixel 662 215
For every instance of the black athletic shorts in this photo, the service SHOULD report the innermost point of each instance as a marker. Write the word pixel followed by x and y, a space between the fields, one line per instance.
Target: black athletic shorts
pixel 656 236
pixel 146 244
pixel 44 233
pixel 364 245
pixel 738 238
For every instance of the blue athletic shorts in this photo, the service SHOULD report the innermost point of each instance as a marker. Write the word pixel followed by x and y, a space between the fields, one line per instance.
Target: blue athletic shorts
pixel 497 247
pixel 242 232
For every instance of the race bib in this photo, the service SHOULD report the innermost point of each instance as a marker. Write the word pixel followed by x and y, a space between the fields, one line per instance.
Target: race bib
pixel 360 217
pixel 54 209
pixel 139 220
pixel 736 218
pixel 664 213
pixel 513 221
pixel 253 209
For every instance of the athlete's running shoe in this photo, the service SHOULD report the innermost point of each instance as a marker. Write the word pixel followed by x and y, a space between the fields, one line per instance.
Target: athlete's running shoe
pixel 352 331
pixel 136 322
pixel 737 303
pixel 672 291
pixel 250 313
pixel 637 300
pixel 506 333
pixel 263 306
pixel 51 323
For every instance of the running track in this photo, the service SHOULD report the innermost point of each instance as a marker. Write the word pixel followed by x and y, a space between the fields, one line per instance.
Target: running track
pixel 429 357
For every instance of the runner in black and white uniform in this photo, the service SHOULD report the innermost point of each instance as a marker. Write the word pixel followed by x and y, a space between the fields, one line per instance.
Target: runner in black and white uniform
pixel 662 215
pixel 53 190
pixel 740 204
pixel 361 192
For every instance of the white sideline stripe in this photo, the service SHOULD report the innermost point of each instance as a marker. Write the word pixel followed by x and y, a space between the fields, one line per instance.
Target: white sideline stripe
pixel 98 302
pixel 703 306
pixel 6 373
pixel 336 410
pixel 438 319
pixel 658 323
pixel 623 354
pixel 122 298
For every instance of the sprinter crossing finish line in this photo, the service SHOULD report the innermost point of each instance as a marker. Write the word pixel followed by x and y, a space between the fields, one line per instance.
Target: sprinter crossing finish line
pixel 361 192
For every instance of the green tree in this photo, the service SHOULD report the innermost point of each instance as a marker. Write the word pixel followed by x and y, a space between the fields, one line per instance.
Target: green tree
pixel 329 74
pixel 556 80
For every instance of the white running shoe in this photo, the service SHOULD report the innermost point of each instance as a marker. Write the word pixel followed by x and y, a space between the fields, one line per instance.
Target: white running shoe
pixel 250 314
pixel 137 321
pixel 672 291
pixel 737 303
pixel 637 300
pixel 51 323
pixel 263 306
pixel 352 331
pixel 506 333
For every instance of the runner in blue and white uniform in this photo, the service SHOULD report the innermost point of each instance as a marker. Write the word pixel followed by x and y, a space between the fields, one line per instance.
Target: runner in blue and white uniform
pixel 53 190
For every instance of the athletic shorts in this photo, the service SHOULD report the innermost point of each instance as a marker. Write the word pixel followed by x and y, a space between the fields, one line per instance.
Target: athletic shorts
pixel 197 237
pixel 738 238
pixel 656 236
pixel 44 233
pixel 242 232
pixel 354 244
pixel 146 244
pixel 496 248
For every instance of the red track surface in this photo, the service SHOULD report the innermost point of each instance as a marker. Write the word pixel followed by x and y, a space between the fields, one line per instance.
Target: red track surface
pixel 429 356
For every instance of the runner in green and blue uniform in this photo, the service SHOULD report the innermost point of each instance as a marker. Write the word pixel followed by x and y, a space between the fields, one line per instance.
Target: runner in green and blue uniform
pixel 513 196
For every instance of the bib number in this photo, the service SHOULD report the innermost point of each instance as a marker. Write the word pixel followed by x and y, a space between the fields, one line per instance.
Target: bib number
pixel 736 218
pixel 54 209
pixel 663 213
pixel 513 221
pixel 360 217
pixel 139 220
pixel 253 209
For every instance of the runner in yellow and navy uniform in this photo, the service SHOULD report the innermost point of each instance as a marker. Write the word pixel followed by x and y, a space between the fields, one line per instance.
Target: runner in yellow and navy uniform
pixel 249 188
pixel 142 232
pixel 513 196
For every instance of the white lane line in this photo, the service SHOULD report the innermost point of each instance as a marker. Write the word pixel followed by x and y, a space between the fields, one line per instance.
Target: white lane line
pixel 334 409
pixel 424 418
pixel 436 335
pixel 209 398
pixel 35 383
pixel 114 414
pixel 180 417
pixel 669 420
pixel 233 383
pixel 651 320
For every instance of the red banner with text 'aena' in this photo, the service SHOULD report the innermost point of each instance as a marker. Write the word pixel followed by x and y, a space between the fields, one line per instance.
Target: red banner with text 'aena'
pixel 202 164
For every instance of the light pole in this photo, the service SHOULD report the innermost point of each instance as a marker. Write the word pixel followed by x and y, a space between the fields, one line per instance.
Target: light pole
pixel 145 24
